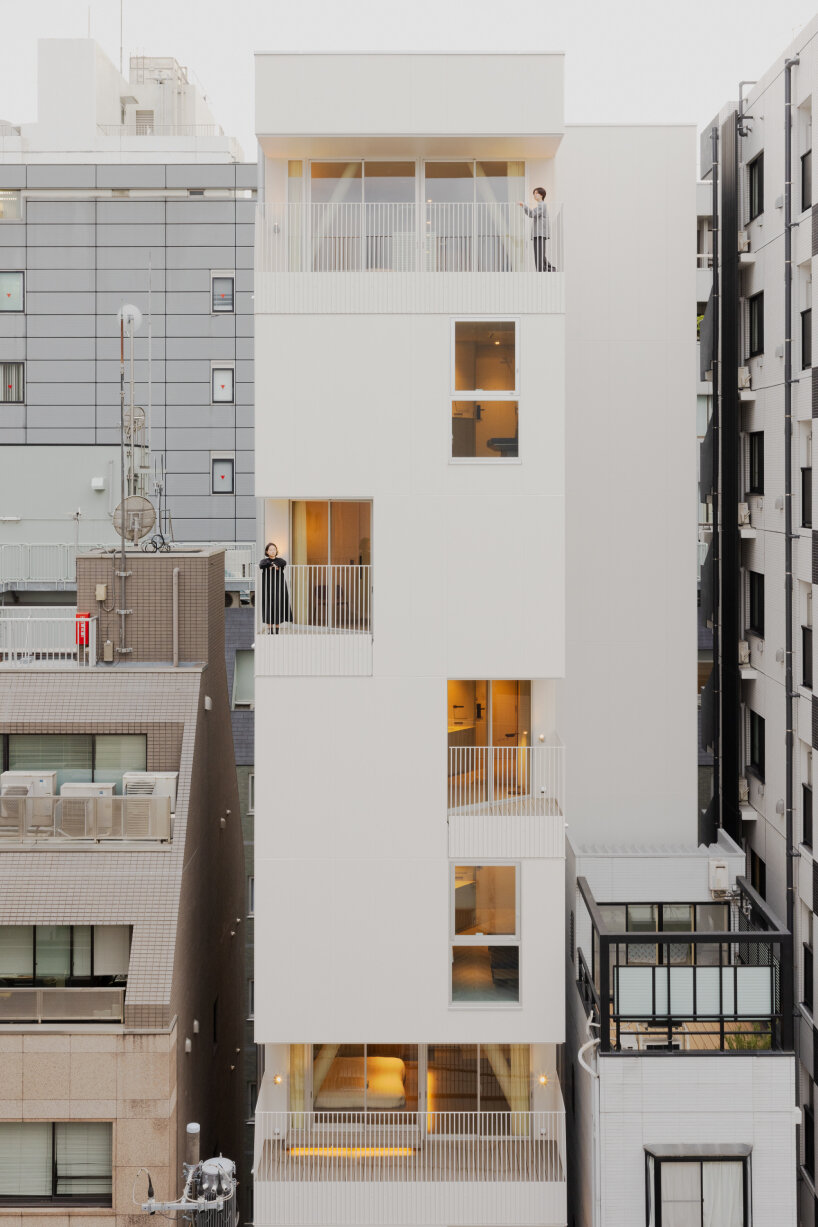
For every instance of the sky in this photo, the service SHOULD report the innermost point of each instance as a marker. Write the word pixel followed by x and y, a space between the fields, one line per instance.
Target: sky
pixel 627 61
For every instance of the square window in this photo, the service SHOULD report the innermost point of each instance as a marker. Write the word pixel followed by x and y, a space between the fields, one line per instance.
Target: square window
pixel 756 325
pixel 222 475
pixel 12 383
pixel 221 385
pixel 11 206
pixel 755 175
pixel 222 294
pixel 11 291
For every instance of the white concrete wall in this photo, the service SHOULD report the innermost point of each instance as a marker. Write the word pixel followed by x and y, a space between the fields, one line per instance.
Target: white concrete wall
pixel 628 706
pixel 46 486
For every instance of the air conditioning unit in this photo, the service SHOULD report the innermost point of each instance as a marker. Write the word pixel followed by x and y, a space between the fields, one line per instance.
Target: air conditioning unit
pixel 743 790
pixel 744 377
pixel 719 877
pixel 743 240
pixel 151 784
pixel 743 652
pixel 35 783
pixel 743 513
pixel 74 812
pixel 232 600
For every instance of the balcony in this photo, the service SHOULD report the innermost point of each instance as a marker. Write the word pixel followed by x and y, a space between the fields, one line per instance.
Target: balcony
pixel 29 639
pixel 458 1168
pixel 84 820
pixel 61 1005
pixel 506 801
pixel 402 258
pixel 717 981
pixel 314 620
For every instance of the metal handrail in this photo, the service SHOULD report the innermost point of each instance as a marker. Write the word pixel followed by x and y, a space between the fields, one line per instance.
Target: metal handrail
pixel 44 1005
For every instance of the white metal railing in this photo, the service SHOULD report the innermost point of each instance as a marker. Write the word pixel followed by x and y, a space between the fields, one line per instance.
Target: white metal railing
pixel 47 641
pixel 148 128
pixel 401 238
pixel 506 780
pixel 409 1167
pixel 44 1005
pixel 315 599
pixel 101 819
pixel 38 562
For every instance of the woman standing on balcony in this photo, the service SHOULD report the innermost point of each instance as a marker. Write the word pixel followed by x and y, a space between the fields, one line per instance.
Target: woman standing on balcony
pixel 540 228
pixel 275 599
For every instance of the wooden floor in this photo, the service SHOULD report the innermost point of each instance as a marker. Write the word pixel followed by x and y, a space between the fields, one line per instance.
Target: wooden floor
pixel 692 1037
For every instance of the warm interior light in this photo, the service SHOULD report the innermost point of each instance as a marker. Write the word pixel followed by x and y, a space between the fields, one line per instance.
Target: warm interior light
pixel 352 1152
pixel 543 1080
pixel 277 1079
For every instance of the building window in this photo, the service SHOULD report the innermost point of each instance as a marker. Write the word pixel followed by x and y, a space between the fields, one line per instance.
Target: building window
pixel 79 758
pixel 806 656
pixel 758 874
pixel 11 206
pixel 251 896
pixel 806 180
pixel 243 679
pixel 11 291
pixel 12 383
pixel 756 618
pixel 485 409
pixel 756 306
pixel 222 379
pixel 806 498
pixel 252 1096
pixel 215 1021
pixel 698 1192
pixel 55 1163
pixel 808 977
pixel 251 793
pixel 222 470
pixel 806 815
pixel 755 174
pixel 806 339
pixel 756 485
pixel 757 755
pixel 485 935
pixel 221 293
pixel 809 1137
pixel 59 956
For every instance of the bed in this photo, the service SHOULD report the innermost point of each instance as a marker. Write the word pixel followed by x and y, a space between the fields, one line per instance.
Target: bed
pixel 380 1079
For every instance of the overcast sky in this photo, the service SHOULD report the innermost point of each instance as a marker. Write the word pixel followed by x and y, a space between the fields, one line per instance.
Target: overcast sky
pixel 627 61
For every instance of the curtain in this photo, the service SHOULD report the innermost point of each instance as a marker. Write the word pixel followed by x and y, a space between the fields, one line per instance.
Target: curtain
pixel 11 382
pixel 68 754
pixel 25 1160
pixel 83 1158
pixel 723 1194
pixel 682 1193
pixel 16 952
pixel 115 753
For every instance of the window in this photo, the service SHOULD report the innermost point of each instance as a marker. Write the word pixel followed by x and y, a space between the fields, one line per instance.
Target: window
pixel 698 1191
pixel 251 793
pixel 60 1163
pixel 485 419
pixel 755 621
pixel 757 744
pixel 806 180
pixel 758 874
pixel 806 815
pixel 756 483
pixel 12 383
pixel 251 896
pixel 806 339
pixel 755 174
pixel 807 995
pixel 756 324
pixel 79 757
pixel 11 291
pixel 806 656
pixel 11 209
pixel 221 293
pixel 252 1096
pixel 243 679
pixel 251 998
pixel 485 905
pixel 809 1137
pixel 215 1021
pixel 222 474
pixel 58 956
pixel 222 379
pixel 806 498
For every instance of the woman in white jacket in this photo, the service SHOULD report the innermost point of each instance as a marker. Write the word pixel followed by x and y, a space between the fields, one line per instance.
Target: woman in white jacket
pixel 540 228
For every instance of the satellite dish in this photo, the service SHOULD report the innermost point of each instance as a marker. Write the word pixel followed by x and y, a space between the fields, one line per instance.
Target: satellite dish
pixel 134 421
pixel 130 316
pixel 134 518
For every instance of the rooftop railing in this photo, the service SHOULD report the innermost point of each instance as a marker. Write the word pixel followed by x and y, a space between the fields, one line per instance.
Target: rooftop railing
pixel 402 238
pixel 53 640
pixel 25 564
pixel 409 1167
pixel 29 820
pixel 690 991
pixel 147 128
pixel 61 1005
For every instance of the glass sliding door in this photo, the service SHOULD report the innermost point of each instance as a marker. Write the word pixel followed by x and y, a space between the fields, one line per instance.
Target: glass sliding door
pixel 489 742
pixel 364 1078
pixel 329 572
pixel 390 216
pixel 363 216
pixel 473 223
pixel 336 196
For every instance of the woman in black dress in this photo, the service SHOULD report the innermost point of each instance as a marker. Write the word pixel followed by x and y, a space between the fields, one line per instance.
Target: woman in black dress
pixel 275 599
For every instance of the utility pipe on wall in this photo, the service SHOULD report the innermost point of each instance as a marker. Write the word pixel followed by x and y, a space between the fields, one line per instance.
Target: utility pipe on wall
pixel 176 617
pixel 596 1155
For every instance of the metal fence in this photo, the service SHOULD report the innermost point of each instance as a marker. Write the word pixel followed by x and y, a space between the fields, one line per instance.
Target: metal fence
pixel 314 599
pixel 47 1005
pixel 99 819
pixel 402 238
pixel 47 641
pixel 506 780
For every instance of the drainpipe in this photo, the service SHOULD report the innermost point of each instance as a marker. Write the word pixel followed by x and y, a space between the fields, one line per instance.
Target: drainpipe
pixel 176 571
pixel 122 577
pixel 716 368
